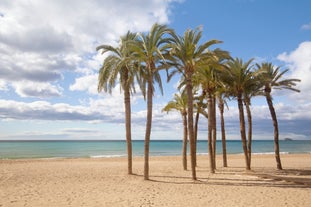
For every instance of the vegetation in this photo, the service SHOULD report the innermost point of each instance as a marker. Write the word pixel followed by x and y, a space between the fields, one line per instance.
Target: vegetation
pixel 271 78
pixel 212 73
pixel 149 51
pixel 221 98
pixel 180 103
pixel 118 67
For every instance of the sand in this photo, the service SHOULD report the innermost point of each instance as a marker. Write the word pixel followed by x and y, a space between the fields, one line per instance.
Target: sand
pixel 104 182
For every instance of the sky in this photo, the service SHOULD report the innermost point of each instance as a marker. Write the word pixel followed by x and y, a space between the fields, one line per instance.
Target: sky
pixel 49 65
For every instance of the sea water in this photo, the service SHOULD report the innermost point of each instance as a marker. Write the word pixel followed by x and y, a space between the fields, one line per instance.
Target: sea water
pixel 96 149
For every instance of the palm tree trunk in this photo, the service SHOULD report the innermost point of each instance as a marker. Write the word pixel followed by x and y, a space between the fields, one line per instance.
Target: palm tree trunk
pixel 223 134
pixel 127 104
pixel 185 140
pixel 250 131
pixel 209 132
pixel 196 124
pixel 148 128
pixel 190 124
pixel 242 130
pixel 214 132
pixel 276 131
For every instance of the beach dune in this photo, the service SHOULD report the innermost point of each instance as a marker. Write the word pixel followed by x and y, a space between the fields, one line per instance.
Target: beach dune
pixel 104 182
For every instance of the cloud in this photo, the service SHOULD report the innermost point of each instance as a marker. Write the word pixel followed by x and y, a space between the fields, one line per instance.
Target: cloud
pixel 40 41
pixel 70 133
pixel 44 39
pixel 79 130
pixel 306 26
pixel 42 110
pixel 108 108
pixel 31 66
pixel 37 69
pixel 3 86
pixel 299 61
pixel 39 90
pixel 86 83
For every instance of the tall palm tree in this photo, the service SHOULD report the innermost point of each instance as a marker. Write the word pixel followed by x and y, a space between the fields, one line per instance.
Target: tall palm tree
pixel 118 68
pixel 205 76
pixel 187 54
pixel 247 102
pixel 221 98
pixel 150 51
pixel 200 108
pixel 251 89
pixel 179 103
pixel 238 76
pixel 272 78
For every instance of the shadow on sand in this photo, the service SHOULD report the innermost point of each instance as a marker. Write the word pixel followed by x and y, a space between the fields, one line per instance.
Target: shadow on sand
pixel 287 178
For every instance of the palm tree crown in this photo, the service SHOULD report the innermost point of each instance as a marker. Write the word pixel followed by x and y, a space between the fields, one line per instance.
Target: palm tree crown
pixel 272 78
pixel 118 66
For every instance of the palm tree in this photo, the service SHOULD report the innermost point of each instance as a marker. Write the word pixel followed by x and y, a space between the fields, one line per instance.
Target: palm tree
pixel 272 78
pixel 205 76
pixel 238 76
pixel 179 103
pixel 187 54
pixel 251 89
pixel 247 102
pixel 200 108
pixel 118 67
pixel 221 96
pixel 208 78
pixel 150 50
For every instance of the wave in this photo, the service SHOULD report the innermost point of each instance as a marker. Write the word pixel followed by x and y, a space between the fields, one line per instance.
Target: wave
pixel 269 153
pixel 253 153
pixel 49 158
pixel 107 156
pixel 203 153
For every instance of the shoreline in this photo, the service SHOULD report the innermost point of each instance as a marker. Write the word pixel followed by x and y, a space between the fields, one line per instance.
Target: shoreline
pixel 104 182
pixel 86 149
pixel 141 156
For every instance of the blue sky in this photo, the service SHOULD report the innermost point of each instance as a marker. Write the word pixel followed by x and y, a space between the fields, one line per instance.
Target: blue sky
pixel 49 66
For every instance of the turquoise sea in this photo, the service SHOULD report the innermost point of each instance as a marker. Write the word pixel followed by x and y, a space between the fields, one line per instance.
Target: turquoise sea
pixel 96 149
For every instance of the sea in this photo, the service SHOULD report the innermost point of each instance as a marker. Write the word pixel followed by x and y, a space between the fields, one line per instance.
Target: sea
pixel 99 149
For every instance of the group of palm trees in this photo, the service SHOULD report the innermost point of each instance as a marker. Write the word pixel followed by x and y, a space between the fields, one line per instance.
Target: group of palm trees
pixel 208 76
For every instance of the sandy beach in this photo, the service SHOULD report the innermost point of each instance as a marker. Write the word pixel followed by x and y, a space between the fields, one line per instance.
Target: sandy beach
pixel 104 182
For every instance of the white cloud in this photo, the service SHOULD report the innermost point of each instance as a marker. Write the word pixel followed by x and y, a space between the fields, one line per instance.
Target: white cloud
pixel 39 90
pixel 111 105
pixel 109 108
pixel 58 133
pixel 3 86
pixel 306 26
pixel 39 40
pixel 42 110
pixel 299 62
pixel 294 112
pixel 86 83
pixel 31 66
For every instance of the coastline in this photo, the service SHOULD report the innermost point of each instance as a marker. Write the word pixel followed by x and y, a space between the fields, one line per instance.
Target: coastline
pixel 107 148
pixel 104 182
